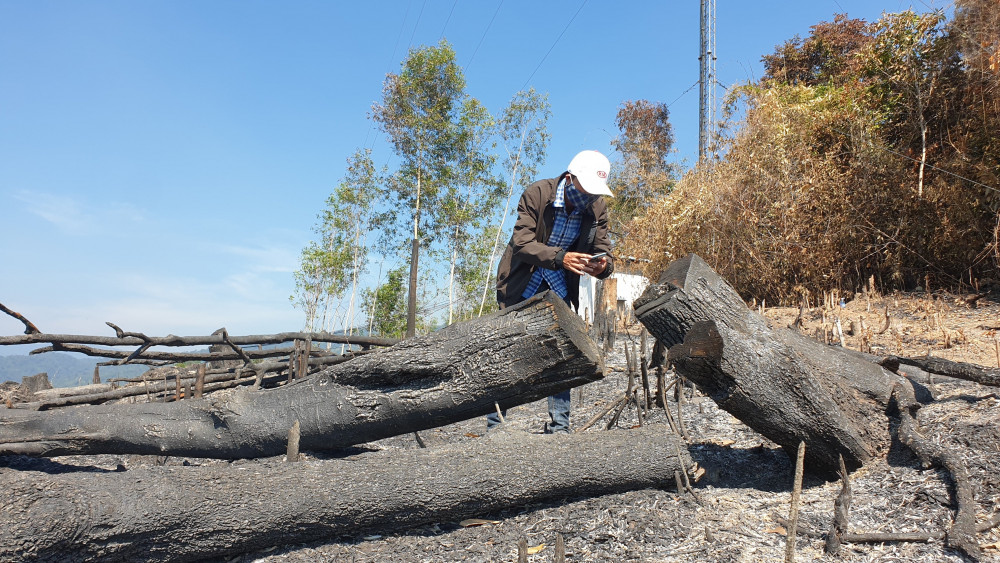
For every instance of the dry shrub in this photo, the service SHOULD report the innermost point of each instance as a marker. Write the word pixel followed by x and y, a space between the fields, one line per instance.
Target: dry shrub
pixel 807 198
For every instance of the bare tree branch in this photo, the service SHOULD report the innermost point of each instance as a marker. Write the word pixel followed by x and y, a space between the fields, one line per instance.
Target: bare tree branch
pixel 29 327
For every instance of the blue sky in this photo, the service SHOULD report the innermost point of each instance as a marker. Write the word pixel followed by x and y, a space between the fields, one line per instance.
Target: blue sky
pixel 162 163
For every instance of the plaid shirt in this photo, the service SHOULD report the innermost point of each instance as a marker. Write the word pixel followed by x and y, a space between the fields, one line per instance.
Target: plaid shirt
pixel 565 230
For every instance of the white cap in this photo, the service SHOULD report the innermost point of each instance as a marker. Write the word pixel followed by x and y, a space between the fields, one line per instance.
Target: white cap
pixel 591 168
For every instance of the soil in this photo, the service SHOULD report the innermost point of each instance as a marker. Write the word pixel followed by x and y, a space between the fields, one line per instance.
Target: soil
pixel 737 510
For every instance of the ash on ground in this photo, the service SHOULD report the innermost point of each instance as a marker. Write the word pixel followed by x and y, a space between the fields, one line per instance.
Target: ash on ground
pixel 741 500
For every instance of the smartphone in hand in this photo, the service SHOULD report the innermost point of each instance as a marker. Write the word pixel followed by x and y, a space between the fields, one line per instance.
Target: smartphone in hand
pixel 597 256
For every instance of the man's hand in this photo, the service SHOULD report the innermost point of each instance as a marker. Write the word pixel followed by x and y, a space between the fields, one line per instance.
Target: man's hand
pixel 579 263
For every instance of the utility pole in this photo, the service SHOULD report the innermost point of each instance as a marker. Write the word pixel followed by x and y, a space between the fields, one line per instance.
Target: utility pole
pixel 706 80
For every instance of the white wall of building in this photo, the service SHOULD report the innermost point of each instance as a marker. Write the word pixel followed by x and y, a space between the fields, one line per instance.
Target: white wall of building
pixel 630 287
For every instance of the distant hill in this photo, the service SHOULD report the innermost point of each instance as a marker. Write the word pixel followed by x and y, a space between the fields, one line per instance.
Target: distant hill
pixel 65 370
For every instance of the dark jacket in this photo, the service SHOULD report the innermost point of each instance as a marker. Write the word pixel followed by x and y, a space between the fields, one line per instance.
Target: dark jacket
pixel 528 251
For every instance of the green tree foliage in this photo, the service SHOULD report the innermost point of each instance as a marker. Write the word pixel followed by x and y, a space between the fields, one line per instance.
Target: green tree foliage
pixel 320 275
pixel 447 193
pixel 853 159
pixel 644 174
pixel 438 133
pixel 468 202
pixel 524 136
pixel 328 269
pixel 386 306
pixel 420 114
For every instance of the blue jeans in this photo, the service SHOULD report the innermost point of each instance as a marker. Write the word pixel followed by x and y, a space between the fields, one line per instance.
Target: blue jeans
pixel 558 414
pixel 558 403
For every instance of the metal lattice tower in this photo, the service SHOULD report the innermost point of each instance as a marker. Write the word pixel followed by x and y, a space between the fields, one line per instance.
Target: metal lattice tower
pixel 707 80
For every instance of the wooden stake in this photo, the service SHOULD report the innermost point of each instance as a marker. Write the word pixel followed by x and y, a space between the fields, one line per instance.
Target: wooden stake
pixel 293 442
pixel 199 382
pixel 560 549
pixel 661 389
pixel 679 393
pixel 638 408
pixel 841 508
pixel 647 398
pixel 793 517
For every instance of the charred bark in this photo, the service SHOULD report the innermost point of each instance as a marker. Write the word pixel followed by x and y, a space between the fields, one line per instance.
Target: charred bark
pixel 217 511
pixel 786 386
pixel 517 355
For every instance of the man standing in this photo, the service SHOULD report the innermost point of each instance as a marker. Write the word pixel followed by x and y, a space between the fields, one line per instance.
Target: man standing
pixel 561 224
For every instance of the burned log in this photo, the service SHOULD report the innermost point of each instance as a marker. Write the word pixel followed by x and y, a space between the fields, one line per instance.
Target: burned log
pixel 515 356
pixel 940 366
pixel 783 385
pixel 217 511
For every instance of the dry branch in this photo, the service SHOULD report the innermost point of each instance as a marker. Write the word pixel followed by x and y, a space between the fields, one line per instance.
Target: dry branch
pixel 137 339
pixel 962 535
pixel 29 327
pixel 171 357
pixel 940 366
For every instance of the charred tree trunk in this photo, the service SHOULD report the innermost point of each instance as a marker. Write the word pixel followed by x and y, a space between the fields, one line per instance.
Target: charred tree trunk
pixel 217 511
pixel 520 354
pixel 787 387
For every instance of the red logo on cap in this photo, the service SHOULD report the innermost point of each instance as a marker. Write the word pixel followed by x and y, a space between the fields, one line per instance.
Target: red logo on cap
pixel 602 174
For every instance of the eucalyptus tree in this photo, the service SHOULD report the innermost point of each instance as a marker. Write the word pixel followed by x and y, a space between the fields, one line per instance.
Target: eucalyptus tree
pixel 523 133
pixel 316 275
pixel 421 112
pixel 386 306
pixel 331 267
pixel 468 202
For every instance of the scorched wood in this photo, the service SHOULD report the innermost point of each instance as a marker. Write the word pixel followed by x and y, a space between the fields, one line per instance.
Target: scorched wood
pixel 517 355
pixel 217 511
pixel 787 387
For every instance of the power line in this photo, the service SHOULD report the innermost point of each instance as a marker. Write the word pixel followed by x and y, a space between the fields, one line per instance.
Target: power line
pixel 449 18
pixel 417 23
pixel 569 23
pixel 402 26
pixel 696 82
pixel 478 45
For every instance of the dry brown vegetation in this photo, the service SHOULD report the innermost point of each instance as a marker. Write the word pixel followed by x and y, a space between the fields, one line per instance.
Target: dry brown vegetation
pixel 868 151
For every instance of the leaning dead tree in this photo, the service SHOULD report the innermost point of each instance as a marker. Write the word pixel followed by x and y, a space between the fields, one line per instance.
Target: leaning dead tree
pixel 217 511
pixel 789 387
pixel 515 356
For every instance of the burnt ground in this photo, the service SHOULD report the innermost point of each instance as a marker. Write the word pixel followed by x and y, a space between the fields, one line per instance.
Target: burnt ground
pixel 736 511
pixel 747 486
